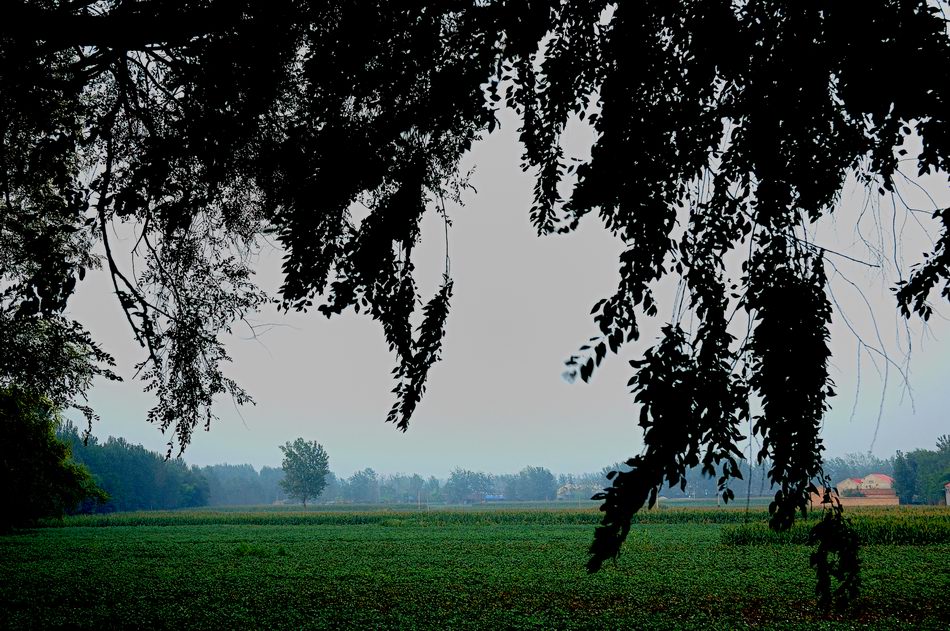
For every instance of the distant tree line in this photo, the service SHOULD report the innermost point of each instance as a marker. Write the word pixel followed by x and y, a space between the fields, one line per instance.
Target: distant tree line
pixel 37 473
pixel 242 485
pixel 138 479
pixel 133 477
pixel 920 476
pixel 698 485
pixel 462 486
pixel 754 482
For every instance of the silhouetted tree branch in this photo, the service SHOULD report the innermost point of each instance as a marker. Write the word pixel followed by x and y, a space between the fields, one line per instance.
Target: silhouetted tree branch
pixel 720 128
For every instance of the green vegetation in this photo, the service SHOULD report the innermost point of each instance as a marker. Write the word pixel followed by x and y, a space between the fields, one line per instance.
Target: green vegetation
pixel 211 125
pixel 138 479
pixel 920 475
pixel 524 513
pixel 305 466
pixel 281 568
pixel 134 477
pixel 37 475
pixel 897 526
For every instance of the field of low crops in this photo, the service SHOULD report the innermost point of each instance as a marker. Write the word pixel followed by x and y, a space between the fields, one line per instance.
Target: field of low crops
pixel 681 568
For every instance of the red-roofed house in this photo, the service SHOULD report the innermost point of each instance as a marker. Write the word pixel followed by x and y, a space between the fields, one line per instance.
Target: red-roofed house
pixel 849 484
pixel 876 481
pixel 874 489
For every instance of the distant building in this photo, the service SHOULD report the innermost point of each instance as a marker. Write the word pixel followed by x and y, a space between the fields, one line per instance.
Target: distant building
pixel 874 489
pixel 849 484
pixel 946 488
pixel 876 482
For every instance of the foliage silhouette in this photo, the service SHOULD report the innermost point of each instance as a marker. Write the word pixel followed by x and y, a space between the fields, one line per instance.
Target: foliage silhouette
pixel 38 475
pixel 721 128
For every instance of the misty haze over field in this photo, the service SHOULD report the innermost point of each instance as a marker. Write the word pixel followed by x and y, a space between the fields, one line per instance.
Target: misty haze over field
pixel 496 401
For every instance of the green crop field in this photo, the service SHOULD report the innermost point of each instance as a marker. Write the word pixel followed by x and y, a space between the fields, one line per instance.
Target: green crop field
pixel 456 569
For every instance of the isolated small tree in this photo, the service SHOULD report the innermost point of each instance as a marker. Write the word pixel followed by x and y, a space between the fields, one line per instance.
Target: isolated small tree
pixel 306 465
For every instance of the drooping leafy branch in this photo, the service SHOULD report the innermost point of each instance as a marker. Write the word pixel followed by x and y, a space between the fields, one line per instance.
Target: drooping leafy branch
pixel 273 117
pixel 743 119
pixel 722 131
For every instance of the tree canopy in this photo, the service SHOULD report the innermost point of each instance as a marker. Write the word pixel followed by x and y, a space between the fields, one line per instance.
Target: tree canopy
pixel 39 478
pixel 920 477
pixel 133 477
pixel 721 129
pixel 306 465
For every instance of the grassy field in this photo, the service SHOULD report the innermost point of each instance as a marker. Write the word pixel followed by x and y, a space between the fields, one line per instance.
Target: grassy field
pixel 455 569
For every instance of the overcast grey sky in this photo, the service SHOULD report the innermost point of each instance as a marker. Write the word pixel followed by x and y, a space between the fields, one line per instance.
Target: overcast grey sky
pixel 497 401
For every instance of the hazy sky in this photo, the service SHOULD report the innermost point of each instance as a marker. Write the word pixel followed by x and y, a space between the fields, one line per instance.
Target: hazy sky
pixel 496 401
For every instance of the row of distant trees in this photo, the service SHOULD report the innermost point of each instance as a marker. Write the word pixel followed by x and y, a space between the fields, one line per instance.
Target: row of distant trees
pixel 115 475
pixel 920 476
pixel 137 479
pixel 462 485
pixel 133 477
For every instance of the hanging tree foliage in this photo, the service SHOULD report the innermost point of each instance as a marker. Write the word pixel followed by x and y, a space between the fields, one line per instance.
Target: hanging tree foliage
pixel 721 128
